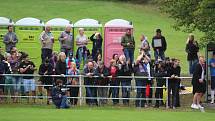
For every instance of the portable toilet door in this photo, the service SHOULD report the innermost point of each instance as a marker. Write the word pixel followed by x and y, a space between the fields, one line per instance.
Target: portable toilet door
pixel 90 27
pixel 28 31
pixel 58 25
pixel 4 22
pixel 113 32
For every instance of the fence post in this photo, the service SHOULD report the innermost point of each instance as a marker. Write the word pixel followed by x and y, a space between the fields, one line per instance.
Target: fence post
pixel 167 97
pixel 80 89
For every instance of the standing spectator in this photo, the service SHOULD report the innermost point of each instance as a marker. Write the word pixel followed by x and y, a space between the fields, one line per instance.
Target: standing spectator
pixel 192 50
pixel 145 45
pixel 2 71
pixel 10 39
pixel 128 44
pixel 47 41
pixel 81 43
pixel 59 96
pixel 96 38
pixel 61 67
pixel 140 69
pixel 74 81
pixel 199 83
pixel 174 83
pixel 159 45
pixel 159 73
pixel 1 55
pixel 89 80
pixel 125 69
pixel 66 40
pixel 113 70
pixel 103 72
pixel 212 70
pixel 28 67
pixel 45 70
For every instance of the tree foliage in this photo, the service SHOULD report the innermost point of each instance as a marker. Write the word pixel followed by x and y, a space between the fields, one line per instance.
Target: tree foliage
pixel 193 15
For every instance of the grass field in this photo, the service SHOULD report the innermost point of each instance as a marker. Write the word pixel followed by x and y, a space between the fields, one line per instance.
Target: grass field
pixel 47 113
pixel 146 19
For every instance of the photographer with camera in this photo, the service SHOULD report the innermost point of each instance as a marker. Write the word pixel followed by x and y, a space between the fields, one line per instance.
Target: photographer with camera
pixel 59 95
pixel 141 69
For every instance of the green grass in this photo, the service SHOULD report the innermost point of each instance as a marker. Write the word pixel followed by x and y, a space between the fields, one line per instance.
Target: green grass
pixel 146 19
pixel 47 113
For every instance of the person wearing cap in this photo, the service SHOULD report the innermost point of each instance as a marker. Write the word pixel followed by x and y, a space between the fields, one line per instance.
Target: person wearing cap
pixel 28 67
pixel 81 43
pixel 66 40
pixel 159 45
pixel 47 42
pixel 10 39
pixel 46 68
pixel 192 50
pixel 212 71
pixel 128 43
pixel 96 38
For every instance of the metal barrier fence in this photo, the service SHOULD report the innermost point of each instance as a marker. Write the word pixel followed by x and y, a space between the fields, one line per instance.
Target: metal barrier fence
pixel 81 86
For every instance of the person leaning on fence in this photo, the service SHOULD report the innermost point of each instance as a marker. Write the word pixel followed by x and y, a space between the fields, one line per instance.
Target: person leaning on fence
pixel 192 50
pixel 159 45
pixel 66 40
pixel 199 83
pixel 61 67
pixel 46 70
pixel 2 71
pixel 10 39
pixel 81 43
pixel 128 43
pixel 174 84
pixel 96 38
pixel 103 80
pixel 28 67
pixel 160 72
pixel 212 71
pixel 47 42
pixel 113 71
pixel 125 69
pixel 74 82
pixel 140 69
pixel 59 97
pixel 89 80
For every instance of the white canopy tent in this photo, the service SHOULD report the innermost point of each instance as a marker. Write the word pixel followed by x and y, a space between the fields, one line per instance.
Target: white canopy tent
pixel 119 23
pixel 6 21
pixel 29 21
pixel 88 23
pixel 58 22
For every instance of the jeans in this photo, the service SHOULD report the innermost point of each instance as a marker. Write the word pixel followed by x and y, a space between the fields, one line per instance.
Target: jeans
pixel 64 102
pixel 46 53
pixel 141 92
pixel 212 82
pixel 102 93
pixel 82 55
pixel 126 91
pixel 159 54
pixel 91 94
pixel 115 91
pixel 192 65
pixel 129 54
pixel 173 86
pixel 66 50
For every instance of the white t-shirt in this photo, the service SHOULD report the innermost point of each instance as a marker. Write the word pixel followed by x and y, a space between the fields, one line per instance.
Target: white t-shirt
pixel 81 40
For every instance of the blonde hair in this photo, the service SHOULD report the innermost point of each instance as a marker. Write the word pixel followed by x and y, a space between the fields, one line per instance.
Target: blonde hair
pixel 191 35
pixel 60 55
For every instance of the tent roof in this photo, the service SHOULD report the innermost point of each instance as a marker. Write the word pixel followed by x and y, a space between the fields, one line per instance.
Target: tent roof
pixel 87 23
pixel 119 23
pixel 60 22
pixel 6 21
pixel 29 21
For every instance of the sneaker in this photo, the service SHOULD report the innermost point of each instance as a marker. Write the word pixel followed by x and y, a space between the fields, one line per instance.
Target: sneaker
pixel 212 102
pixel 194 106
pixel 200 107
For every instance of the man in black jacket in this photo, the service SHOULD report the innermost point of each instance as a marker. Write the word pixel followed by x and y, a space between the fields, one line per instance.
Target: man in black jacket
pixel 159 45
pixel 96 38
pixel 199 83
